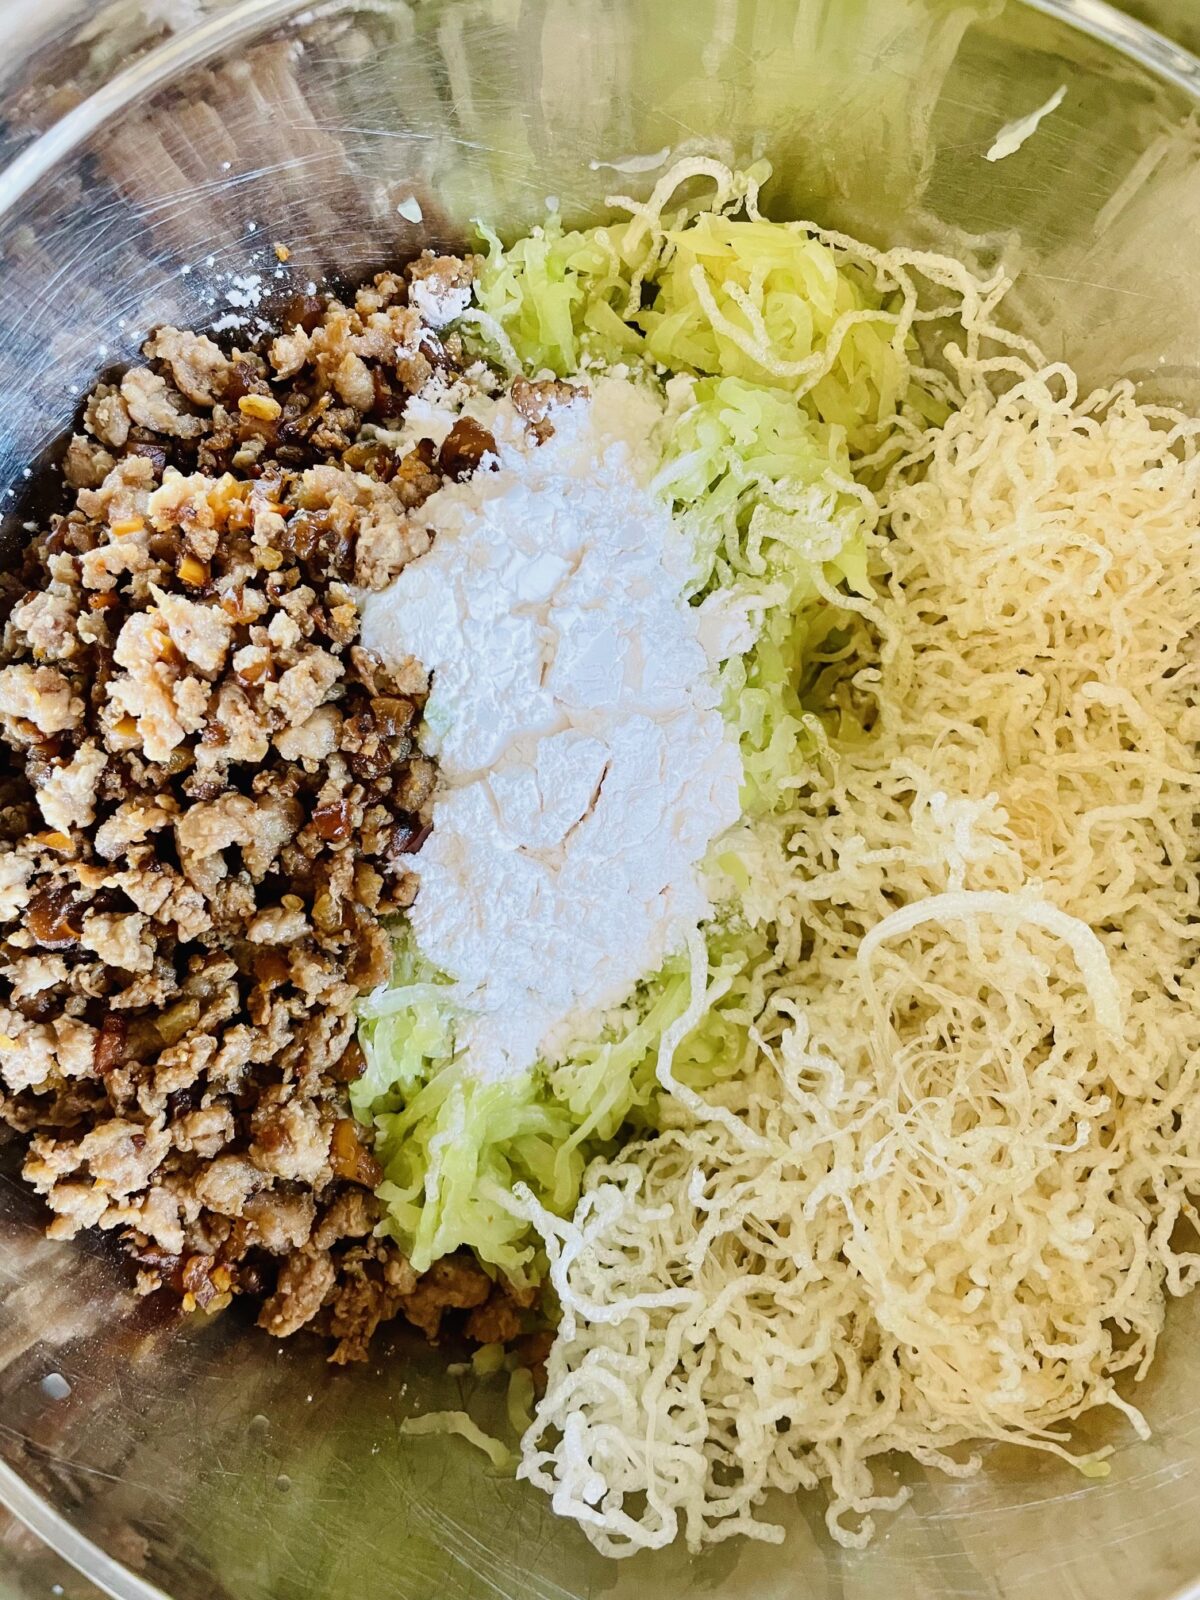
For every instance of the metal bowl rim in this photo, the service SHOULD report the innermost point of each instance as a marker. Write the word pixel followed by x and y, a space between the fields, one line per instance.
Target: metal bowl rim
pixel 152 71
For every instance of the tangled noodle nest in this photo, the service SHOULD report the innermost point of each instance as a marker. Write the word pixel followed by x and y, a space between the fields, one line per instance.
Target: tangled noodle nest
pixel 949 1201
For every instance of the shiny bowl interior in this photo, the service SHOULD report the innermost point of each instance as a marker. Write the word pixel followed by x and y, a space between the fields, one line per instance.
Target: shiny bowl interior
pixel 152 154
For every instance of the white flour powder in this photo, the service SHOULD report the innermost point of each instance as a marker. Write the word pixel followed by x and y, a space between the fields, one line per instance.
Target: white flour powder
pixel 585 765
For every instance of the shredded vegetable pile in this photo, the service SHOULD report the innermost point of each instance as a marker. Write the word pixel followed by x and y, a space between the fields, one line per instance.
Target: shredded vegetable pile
pixel 914 1118
pixel 734 296
pixel 793 353
pixel 950 1199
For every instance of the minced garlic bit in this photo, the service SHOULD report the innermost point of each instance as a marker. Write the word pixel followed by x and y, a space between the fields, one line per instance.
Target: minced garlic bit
pixel 263 406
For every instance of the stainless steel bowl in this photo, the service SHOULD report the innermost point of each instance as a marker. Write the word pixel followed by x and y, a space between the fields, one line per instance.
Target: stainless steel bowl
pixel 153 154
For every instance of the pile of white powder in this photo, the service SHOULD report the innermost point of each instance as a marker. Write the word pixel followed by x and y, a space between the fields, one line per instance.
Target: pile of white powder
pixel 585 764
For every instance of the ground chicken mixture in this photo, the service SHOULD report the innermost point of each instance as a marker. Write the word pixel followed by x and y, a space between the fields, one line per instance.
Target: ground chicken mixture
pixel 210 800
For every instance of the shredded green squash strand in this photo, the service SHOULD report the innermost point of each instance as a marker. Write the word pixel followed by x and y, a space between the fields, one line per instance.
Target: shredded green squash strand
pixel 751 299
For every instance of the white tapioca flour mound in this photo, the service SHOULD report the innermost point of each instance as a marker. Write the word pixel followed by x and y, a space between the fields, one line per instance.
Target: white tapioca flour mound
pixel 586 766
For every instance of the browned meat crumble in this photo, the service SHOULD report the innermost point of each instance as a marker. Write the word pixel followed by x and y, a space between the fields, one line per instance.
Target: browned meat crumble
pixel 211 800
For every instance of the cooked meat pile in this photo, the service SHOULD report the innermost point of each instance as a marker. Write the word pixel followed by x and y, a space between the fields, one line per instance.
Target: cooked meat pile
pixel 210 800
